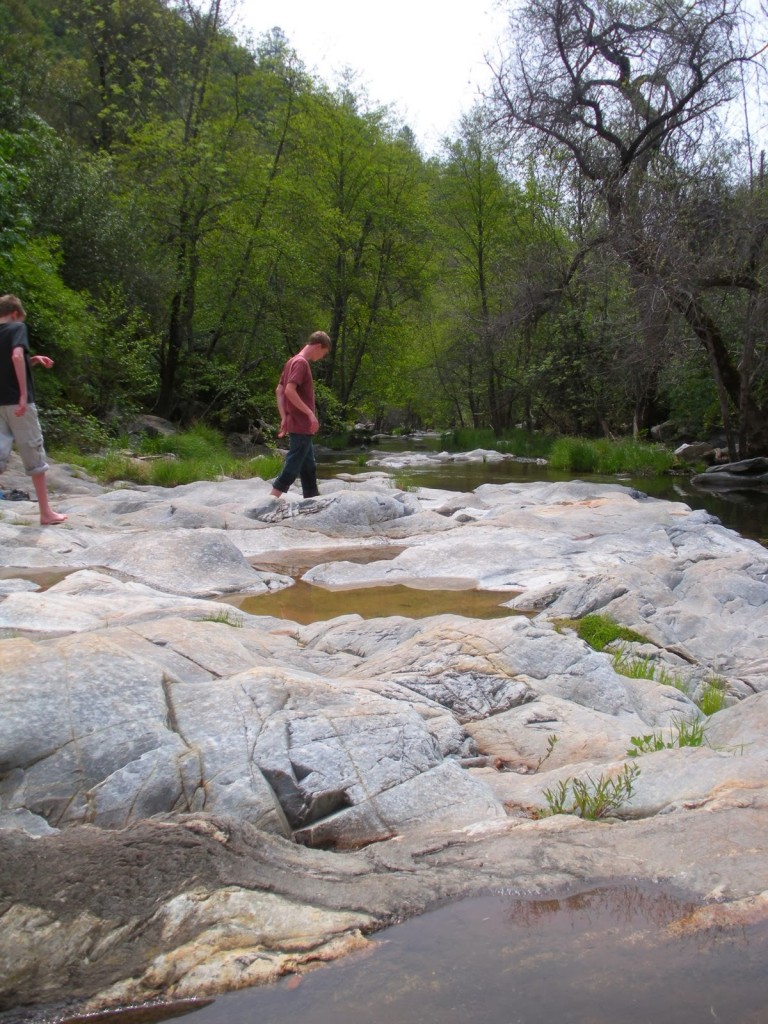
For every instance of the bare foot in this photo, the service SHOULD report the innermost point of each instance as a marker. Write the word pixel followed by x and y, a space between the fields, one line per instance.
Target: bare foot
pixel 52 519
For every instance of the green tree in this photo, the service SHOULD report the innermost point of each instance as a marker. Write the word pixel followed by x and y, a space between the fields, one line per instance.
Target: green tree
pixel 368 245
pixel 631 91
pixel 203 181
pixel 482 224
pixel 116 61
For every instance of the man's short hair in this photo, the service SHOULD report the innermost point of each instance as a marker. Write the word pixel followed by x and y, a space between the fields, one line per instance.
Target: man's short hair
pixel 320 338
pixel 11 304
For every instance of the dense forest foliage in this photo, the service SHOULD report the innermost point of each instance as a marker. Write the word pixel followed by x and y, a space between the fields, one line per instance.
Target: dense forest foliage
pixel 181 206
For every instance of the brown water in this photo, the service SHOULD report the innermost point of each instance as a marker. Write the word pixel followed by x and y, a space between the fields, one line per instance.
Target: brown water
pixel 745 512
pixel 603 956
pixel 306 604
pixel 297 562
pixel 44 578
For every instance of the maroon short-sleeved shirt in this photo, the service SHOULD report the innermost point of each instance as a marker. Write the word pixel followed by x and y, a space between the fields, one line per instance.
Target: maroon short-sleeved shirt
pixel 297 371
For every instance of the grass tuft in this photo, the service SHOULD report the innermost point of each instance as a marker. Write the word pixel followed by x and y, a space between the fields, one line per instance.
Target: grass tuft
pixel 225 617
pixel 183 458
pixel 599 630
pixel 594 798
pixel 405 481
pixel 712 697
pixel 633 666
pixel 687 734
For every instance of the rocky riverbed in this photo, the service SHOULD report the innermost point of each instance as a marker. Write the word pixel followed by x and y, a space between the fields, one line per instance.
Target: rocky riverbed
pixel 194 799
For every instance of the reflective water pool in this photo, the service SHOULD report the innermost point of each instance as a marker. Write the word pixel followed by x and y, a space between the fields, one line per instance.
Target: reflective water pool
pixel 622 955
pixel 744 511
pixel 305 603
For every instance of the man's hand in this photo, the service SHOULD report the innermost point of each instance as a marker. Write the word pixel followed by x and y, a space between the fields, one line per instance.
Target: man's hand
pixel 20 409
pixel 45 361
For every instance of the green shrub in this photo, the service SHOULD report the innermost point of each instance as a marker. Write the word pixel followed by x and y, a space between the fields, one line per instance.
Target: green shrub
pixel 514 441
pixel 594 798
pixel 330 410
pixel 66 426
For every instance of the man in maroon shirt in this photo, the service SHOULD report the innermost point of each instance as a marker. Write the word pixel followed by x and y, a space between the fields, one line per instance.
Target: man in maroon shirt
pixel 296 402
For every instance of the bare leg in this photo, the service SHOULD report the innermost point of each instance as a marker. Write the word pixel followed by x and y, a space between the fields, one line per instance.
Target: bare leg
pixel 47 516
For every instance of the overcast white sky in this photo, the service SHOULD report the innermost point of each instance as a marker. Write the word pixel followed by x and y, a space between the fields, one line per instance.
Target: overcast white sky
pixel 427 57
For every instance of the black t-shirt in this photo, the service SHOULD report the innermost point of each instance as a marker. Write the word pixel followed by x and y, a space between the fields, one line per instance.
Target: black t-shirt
pixel 13 334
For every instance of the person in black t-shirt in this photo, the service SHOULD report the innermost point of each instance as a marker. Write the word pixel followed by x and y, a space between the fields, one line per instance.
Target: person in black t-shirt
pixel 18 414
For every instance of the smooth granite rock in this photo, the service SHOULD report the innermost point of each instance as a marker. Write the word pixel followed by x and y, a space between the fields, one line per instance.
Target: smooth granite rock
pixel 193 798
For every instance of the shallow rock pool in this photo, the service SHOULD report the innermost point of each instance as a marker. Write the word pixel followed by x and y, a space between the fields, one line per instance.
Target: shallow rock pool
pixel 626 954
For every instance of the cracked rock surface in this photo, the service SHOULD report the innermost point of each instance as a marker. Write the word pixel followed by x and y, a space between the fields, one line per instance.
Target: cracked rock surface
pixel 194 799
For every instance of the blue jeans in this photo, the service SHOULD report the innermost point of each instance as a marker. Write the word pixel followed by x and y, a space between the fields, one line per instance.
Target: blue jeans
pixel 299 462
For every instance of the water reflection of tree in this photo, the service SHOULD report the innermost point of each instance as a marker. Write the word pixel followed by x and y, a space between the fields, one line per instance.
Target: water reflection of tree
pixel 619 904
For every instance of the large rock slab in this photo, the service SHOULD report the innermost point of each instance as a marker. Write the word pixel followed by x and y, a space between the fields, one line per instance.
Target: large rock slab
pixel 553 732
pixel 158 725
pixel 89 600
pixel 749 473
pixel 566 550
pixel 185 562
pixel 530 659
pixel 193 798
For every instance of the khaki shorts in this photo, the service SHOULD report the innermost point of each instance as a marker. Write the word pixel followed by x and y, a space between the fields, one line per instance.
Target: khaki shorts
pixel 25 431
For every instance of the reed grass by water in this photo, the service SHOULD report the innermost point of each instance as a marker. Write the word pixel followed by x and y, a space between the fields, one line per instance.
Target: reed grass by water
pixel 199 453
pixel 604 456
pixel 515 441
